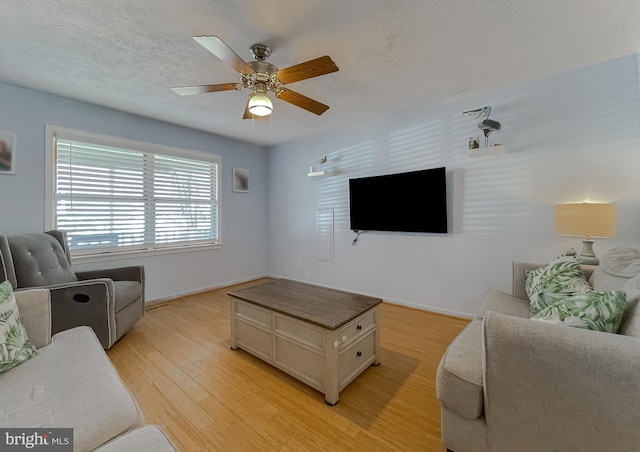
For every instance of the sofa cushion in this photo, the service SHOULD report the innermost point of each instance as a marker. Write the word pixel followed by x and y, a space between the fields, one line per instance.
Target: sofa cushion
pixel 603 281
pixel 149 438
pixel 15 347
pixel 72 384
pixel 554 281
pixel 498 301
pixel 599 311
pixel 459 377
pixel 620 269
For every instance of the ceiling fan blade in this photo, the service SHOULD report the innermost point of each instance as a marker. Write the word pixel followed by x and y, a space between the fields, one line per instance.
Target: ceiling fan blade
pixel 303 71
pixel 247 113
pixel 217 46
pixel 301 101
pixel 201 89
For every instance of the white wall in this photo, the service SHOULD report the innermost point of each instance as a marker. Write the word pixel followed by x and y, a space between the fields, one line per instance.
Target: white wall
pixel 244 222
pixel 570 137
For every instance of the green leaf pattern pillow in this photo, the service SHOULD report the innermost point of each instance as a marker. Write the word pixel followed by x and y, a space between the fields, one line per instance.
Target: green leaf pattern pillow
pixel 15 347
pixel 600 311
pixel 555 281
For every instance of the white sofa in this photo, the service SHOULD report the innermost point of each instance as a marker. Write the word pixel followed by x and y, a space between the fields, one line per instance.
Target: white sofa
pixel 508 383
pixel 72 384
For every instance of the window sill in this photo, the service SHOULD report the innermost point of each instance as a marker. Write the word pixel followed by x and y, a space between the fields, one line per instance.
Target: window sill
pixel 87 258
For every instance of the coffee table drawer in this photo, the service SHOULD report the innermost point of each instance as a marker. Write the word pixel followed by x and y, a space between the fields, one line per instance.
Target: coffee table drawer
pixel 355 358
pixel 358 327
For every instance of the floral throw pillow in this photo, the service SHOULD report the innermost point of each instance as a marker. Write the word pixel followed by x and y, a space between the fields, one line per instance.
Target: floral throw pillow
pixel 559 278
pixel 15 347
pixel 600 311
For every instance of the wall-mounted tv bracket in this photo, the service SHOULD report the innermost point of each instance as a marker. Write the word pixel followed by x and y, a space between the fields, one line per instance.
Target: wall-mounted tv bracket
pixel 357 236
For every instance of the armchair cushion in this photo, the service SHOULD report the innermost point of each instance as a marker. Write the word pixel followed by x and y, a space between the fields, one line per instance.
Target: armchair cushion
pixel 126 292
pixel 39 260
pixel 15 347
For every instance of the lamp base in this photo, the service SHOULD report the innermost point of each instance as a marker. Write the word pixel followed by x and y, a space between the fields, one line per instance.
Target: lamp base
pixel 587 256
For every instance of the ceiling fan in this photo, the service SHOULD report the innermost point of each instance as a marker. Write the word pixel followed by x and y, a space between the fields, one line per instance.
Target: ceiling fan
pixel 262 77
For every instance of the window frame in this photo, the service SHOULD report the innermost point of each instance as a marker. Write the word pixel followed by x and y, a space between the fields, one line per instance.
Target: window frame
pixel 97 254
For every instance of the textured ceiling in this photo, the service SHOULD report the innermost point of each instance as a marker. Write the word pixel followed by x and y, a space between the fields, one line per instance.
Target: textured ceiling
pixel 393 55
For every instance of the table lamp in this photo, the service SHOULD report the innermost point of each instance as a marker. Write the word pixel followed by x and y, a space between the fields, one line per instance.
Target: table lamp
pixel 586 220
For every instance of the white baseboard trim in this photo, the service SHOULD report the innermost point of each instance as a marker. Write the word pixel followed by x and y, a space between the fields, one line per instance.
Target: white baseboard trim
pixel 150 303
pixel 421 307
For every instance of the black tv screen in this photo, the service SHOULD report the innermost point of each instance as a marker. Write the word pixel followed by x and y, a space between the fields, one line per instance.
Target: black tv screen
pixel 406 202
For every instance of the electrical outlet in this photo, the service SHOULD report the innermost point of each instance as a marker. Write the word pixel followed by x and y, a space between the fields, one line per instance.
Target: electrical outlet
pixel 306 274
pixel 299 263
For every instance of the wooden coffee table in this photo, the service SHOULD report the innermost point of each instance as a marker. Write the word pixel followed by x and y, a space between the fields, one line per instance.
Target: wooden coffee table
pixel 323 337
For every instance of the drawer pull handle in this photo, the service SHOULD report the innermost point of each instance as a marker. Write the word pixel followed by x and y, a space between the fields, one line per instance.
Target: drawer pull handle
pixel 359 354
pixel 359 327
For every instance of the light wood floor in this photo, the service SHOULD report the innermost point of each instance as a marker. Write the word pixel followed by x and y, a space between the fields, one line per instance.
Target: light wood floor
pixel 178 364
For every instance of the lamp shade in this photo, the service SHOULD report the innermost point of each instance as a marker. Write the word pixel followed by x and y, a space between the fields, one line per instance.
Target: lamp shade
pixel 586 220
pixel 260 104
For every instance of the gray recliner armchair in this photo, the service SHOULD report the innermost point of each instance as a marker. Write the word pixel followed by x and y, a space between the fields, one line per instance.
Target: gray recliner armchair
pixel 110 301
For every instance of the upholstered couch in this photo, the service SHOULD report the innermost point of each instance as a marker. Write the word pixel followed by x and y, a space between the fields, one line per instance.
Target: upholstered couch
pixel 509 383
pixel 71 383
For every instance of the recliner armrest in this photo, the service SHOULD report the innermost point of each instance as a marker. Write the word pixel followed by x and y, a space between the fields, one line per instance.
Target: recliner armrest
pixel 132 273
pixel 90 303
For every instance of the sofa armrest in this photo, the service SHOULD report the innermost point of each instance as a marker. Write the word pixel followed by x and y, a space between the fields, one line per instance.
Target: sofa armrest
pixel 34 306
pixel 498 301
pixel 133 273
pixel 550 387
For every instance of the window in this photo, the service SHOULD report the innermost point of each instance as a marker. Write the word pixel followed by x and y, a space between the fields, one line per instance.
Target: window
pixel 114 195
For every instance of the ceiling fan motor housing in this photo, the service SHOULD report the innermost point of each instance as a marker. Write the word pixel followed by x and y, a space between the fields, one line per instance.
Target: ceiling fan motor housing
pixel 265 75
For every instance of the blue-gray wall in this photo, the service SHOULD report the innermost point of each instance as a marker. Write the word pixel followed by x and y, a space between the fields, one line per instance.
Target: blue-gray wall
pixel 570 137
pixel 244 215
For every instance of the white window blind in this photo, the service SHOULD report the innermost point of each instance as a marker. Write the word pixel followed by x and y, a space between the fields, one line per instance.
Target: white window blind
pixel 109 198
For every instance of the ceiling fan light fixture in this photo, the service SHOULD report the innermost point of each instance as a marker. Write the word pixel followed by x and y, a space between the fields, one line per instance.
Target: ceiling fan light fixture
pixel 260 104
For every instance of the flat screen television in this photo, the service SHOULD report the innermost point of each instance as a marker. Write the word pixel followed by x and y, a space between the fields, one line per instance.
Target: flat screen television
pixel 406 202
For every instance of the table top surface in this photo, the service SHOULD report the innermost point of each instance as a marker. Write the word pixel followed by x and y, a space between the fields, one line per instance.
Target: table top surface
pixel 327 308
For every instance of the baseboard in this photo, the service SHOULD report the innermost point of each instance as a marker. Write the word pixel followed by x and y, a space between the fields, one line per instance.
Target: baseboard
pixel 151 303
pixel 421 307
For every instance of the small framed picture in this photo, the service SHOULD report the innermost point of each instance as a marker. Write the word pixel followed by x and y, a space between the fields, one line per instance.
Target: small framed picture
pixel 241 180
pixel 7 153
